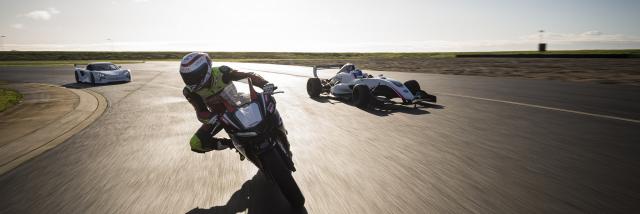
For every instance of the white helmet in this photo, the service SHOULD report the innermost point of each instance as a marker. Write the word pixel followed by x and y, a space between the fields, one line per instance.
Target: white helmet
pixel 347 68
pixel 195 69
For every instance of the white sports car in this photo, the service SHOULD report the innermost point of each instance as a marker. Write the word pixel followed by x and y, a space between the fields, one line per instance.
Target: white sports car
pixel 102 72
pixel 363 89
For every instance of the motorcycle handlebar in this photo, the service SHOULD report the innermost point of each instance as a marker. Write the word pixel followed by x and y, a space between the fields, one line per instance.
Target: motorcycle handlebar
pixel 273 92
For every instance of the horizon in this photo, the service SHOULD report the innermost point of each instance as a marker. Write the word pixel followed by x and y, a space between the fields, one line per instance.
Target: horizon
pixel 323 52
pixel 407 26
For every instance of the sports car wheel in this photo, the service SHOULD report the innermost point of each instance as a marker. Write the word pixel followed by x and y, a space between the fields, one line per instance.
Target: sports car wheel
pixel 93 79
pixel 314 87
pixel 413 86
pixel 361 96
pixel 77 78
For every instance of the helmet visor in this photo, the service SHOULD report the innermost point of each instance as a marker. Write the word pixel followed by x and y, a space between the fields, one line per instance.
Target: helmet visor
pixel 196 78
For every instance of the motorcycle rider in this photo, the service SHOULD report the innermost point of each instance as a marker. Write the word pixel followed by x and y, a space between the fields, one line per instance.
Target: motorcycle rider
pixel 203 84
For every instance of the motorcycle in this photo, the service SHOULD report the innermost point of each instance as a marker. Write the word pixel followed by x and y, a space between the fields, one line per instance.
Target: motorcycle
pixel 257 132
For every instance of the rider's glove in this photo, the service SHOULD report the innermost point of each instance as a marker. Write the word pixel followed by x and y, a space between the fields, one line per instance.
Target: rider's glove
pixel 269 88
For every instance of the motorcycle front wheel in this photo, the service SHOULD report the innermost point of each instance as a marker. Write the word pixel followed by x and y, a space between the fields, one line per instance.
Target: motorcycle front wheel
pixel 273 162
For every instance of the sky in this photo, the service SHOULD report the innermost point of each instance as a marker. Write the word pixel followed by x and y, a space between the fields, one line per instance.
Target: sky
pixel 318 26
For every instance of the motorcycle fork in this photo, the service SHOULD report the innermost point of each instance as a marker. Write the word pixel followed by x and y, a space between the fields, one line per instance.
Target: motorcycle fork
pixel 285 152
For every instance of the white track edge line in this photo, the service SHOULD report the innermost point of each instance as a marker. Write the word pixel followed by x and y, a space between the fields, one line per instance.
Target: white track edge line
pixel 544 107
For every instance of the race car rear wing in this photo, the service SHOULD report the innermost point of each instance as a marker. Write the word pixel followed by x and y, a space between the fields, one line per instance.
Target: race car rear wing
pixel 316 67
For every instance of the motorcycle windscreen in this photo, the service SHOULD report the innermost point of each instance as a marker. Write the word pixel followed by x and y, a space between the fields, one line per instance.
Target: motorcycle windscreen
pixel 249 115
pixel 235 97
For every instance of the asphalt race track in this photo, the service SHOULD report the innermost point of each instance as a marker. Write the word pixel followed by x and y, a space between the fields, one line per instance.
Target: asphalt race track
pixel 492 145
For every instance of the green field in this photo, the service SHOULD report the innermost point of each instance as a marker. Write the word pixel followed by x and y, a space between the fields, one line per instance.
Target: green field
pixel 632 52
pixel 50 63
pixel 8 98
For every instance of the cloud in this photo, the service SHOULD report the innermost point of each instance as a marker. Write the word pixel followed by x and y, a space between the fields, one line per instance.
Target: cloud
pixel 592 33
pixel 17 26
pixel 53 10
pixel 556 41
pixel 589 36
pixel 42 14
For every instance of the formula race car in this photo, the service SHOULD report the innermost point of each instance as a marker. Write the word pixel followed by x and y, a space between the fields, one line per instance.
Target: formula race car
pixel 101 72
pixel 363 89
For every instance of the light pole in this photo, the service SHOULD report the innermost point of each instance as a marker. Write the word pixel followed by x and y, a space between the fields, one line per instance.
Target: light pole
pixel 2 42
pixel 111 44
pixel 542 47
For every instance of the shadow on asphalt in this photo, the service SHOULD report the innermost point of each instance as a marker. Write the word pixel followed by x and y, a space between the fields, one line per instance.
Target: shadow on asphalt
pixel 330 100
pixel 380 109
pixel 387 110
pixel 256 196
pixel 432 105
pixel 391 108
pixel 89 85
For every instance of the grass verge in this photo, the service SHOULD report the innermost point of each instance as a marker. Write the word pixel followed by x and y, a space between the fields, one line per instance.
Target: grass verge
pixel 8 98
pixel 56 63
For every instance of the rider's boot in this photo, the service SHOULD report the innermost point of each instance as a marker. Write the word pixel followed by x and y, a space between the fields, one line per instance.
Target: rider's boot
pixel 241 156
pixel 209 145
pixel 229 144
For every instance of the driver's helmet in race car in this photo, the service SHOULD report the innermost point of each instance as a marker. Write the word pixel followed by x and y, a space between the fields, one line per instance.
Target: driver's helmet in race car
pixel 347 68
pixel 195 69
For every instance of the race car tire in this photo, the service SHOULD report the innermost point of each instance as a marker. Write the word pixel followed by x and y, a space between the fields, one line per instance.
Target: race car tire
pixel 427 97
pixel 314 87
pixel 361 96
pixel 77 77
pixel 413 86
